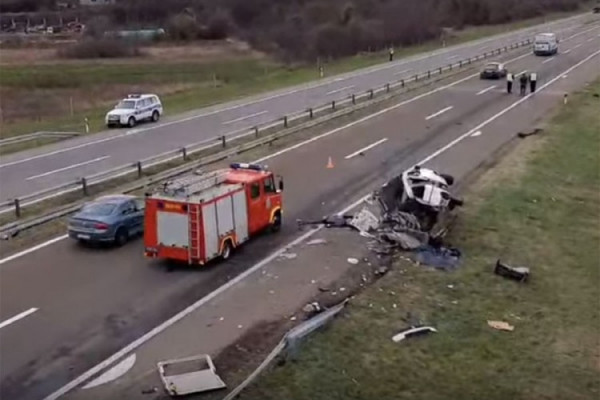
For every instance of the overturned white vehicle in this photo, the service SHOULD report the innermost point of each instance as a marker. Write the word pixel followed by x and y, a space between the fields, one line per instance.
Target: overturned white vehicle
pixel 409 210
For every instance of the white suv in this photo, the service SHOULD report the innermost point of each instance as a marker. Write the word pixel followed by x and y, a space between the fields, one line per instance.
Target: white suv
pixel 133 109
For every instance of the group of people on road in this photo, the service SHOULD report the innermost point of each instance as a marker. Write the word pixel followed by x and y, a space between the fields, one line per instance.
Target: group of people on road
pixel 524 78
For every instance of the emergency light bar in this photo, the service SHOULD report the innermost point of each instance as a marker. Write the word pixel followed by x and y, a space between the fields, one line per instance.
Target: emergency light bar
pixel 134 96
pixel 255 167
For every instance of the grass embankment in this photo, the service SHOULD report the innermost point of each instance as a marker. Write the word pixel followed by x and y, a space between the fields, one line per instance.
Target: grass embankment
pixel 43 96
pixel 539 208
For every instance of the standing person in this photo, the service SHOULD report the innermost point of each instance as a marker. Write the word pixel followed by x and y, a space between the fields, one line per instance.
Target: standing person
pixel 523 83
pixel 509 82
pixel 391 53
pixel 532 81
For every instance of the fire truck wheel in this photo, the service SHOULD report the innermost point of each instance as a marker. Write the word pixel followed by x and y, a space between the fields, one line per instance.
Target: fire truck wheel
pixel 131 122
pixel 276 225
pixel 155 116
pixel 121 237
pixel 227 249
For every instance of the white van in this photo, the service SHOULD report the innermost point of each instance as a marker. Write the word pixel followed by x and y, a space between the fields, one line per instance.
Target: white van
pixel 545 44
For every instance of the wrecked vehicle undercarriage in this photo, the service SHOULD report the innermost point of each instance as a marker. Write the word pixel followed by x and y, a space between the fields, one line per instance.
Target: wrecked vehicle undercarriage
pixel 410 211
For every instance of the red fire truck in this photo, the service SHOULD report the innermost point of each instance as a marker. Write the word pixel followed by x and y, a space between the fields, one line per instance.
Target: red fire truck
pixel 200 217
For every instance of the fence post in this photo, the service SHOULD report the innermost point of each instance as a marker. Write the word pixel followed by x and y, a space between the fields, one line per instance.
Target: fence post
pixel 460 64
pixel 223 141
pixel 138 165
pixel 184 153
pixel 440 70
pixel 353 99
pixel 17 208
pixel 285 121
pixel 310 113
pixel 256 131
pixel 371 93
pixel 402 82
pixel 87 125
pixel 387 87
pixel 84 187
pixel 333 104
pixel 416 77
pixel 428 74
pixel 450 67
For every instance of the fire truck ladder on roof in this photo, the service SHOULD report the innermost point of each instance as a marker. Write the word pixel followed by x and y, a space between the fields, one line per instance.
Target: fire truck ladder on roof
pixel 194 233
pixel 194 184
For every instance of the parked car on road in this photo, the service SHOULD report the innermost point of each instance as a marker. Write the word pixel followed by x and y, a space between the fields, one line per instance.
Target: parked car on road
pixel 113 219
pixel 133 109
pixel 493 70
pixel 545 44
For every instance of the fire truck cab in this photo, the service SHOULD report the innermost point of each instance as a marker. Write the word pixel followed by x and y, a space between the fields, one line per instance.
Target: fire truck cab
pixel 197 218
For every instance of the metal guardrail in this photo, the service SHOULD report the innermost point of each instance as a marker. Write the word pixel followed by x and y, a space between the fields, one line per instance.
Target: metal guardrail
pixel 139 167
pixel 36 135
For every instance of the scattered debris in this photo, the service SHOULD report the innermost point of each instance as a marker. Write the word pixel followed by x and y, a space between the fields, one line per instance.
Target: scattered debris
pixel 381 271
pixel 440 257
pixel 342 289
pixel 293 318
pixel 288 256
pixel 353 261
pixel 316 241
pixel 222 319
pixel 501 326
pixel 324 289
pixel 240 326
pixel 520 274
pixel 413 331
pixel 530 133
pixel 189 375
pixel 312 308
pixel 450 286
pixel 150 390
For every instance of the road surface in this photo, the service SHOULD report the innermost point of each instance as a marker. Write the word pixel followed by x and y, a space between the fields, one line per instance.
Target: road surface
pixel 65 308
pixel 30 171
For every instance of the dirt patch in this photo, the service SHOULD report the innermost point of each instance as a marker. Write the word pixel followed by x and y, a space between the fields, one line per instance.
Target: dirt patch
pixel 200 52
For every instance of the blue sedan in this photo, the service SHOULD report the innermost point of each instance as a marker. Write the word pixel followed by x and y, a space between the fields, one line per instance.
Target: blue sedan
pixel 114 219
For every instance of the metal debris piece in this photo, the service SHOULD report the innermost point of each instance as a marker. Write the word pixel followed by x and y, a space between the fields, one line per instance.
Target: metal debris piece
pixel 288 256
pixel 520 274
pixel 312 307
pixel 316 241
pixel 353 261
pixel 501 326
pixel 412 332
pixel 189 375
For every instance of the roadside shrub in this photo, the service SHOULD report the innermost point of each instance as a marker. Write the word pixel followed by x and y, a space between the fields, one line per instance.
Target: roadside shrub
pixel 218 27
pixel 100 48
pixel 183 27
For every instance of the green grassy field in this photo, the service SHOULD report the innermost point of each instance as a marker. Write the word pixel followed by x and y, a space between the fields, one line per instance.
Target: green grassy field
pixel 92 87
pixel 538 208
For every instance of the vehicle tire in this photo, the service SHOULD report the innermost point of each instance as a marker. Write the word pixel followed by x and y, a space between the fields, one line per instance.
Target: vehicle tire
pixel 131 122
pixel 448 178
pixel 121 237
pixel 227 250
pixel 454 202
pixel 277 221
pixel 155 116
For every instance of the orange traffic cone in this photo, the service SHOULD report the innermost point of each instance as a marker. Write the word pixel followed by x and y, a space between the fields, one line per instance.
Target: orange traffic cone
pixel 330 163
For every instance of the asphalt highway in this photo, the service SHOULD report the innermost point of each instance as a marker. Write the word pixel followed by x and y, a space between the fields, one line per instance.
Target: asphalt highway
pixel 30 171
pixel 76 306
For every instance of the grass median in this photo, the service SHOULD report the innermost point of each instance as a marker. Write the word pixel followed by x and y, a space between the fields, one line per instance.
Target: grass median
pixel 538 208
pixel 79 90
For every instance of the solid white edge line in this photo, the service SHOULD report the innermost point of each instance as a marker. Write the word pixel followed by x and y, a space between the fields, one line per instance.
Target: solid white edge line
pixel 567 51
pixel 438 113
pixel 317 84
pixel 369 147
pixel 548 60
pixel 403 71
pixel 245 117
pixel 149 335
pixel 32 249
pixel 475 134
pixel 485 90
pixel 17 317
pixel 68 167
